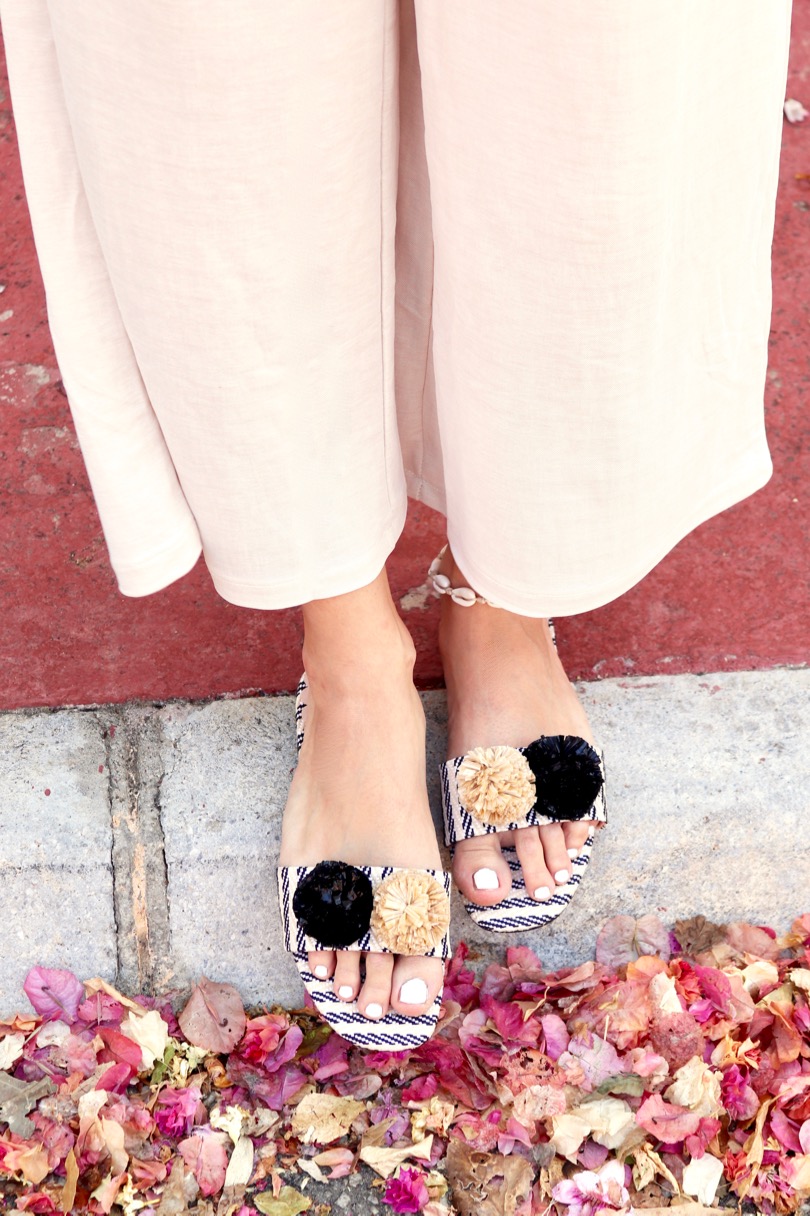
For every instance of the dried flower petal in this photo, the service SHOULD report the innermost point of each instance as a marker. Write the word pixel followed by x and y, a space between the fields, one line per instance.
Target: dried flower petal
pixel 527 1068
pixel 411 912
pixel 407 1192
pixel 333 903
pixel 568 775
pixel 496 785
pixel 589 1193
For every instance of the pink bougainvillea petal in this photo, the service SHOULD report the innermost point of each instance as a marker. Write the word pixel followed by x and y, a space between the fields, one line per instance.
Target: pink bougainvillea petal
pixel 54 993
pixel 116 1078
pixel 205 1155
pixel 669 1123
pixel 406 1191
pixel 623 939
pixel 555 1034
pixel 213 1017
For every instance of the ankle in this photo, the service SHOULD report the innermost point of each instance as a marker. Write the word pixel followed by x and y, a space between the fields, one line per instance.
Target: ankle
pixel 342 664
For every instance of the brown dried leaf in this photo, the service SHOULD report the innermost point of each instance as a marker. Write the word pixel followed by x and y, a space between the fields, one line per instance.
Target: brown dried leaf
pixel 697 935
pixel 230 1201
pixel 68 1195
pixel 173 1199
pixel 486 1184
pixel 289 1202
pixel 213 1018
pixel 99 985
pixel 550 1174
pixel 374 1136
pixel 755 1147
pixel 647 1165
pixel 385 1160
pixel 323 1118
pixel 17 1098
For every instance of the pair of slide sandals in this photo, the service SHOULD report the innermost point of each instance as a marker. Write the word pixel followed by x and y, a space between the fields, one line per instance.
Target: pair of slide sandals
pixel 335 906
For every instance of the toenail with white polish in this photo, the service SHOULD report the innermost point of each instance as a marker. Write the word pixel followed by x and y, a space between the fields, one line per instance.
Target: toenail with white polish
pixel 573 854
pixel 542 893
pixel 413 992
pixel 373 1011
pixel 561 877
pixel 345 991
pixel 321 971
pixel 485 880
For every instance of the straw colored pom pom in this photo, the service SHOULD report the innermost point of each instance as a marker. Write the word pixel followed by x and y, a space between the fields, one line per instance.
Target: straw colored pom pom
pixel 496 785
pixel 411 912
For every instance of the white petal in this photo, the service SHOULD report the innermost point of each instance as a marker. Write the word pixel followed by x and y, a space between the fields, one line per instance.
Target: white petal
pixel 700 1178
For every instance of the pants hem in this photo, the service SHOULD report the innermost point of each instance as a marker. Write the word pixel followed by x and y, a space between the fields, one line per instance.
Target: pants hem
pixel 161 569
pixel 324 585
pixel 541 604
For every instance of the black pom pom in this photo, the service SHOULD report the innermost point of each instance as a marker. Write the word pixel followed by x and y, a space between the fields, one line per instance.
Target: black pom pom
pixel 567 773
pixel 333 903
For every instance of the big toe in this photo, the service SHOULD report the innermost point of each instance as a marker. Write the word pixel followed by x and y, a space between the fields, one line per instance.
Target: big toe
pixel 480 870
pixel 415 984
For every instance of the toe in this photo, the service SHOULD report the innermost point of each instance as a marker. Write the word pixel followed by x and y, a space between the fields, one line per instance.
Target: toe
pixel 347 974
pixel 375 995
pixel 538 880
pixel 480 870
pixel 576 833
pixel 415 984
pixel 322 963
pixel 558 863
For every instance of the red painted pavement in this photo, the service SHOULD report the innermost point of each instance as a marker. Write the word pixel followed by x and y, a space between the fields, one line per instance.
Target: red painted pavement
pixel 731 596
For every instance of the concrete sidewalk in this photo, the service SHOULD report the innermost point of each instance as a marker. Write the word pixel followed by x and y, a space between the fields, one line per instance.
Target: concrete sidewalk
pixel 138 842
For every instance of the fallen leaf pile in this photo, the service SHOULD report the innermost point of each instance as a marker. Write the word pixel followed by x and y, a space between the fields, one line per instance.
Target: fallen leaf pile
pixel 673 1071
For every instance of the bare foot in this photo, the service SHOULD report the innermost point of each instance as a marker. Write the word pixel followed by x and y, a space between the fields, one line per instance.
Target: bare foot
pixel 506 685
pixel 359 793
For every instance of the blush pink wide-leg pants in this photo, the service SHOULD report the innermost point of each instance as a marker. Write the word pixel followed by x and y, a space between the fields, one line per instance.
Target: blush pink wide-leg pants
pixel 305 258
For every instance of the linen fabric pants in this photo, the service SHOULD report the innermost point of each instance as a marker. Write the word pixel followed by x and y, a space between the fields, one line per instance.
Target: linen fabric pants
pixel 305 258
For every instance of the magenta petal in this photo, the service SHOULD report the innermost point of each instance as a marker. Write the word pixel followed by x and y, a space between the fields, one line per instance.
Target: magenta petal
pixel 567 1191
pixel 593 1155
pixel 786 1131
pixel 407 1192
pixel 115 1079
pixel 421 1089
pixel 286 1049
pixel 55 994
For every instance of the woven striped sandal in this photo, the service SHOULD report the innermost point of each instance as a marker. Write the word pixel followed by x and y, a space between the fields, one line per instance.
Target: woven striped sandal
pixel 555 779
pixel 378 909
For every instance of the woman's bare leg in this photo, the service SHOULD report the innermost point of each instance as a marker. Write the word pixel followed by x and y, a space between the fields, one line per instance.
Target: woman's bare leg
pixel 505 684
pixel 358 794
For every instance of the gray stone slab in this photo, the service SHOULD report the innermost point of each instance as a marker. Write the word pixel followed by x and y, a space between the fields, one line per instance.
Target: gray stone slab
pixel 226 770
pixel 707 796
pixel 55 869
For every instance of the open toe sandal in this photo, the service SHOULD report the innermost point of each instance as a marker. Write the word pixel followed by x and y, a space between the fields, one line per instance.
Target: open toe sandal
pixel 555 779
pixel 377 909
